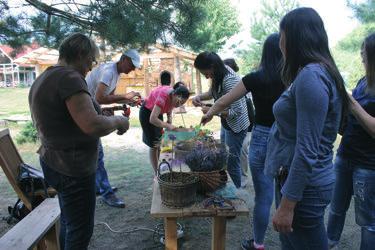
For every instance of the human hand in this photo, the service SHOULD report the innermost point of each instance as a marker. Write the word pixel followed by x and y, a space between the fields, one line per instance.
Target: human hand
pixel 131 96
pixel 206 118
pixel 196 100
pixel 205 109
pixel 123 124
pixel 108 111
pixel 170 127
pixel 283 219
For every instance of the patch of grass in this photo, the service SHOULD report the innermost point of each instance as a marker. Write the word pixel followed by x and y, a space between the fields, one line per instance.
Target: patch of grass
pixel 14 101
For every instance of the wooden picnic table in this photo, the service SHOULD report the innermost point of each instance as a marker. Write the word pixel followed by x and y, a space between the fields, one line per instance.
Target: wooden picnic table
pixel 170 215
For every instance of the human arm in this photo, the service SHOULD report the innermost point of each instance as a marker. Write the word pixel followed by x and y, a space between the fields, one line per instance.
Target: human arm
pixel 169 117
pixel 102 97
pixel 223 102
pixel 154 119
pixel 82 110
pixel 197 100
pixel 365 119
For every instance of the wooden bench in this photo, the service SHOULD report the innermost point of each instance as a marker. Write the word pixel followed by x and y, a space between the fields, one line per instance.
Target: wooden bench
pixel 10 161
pixel 40 226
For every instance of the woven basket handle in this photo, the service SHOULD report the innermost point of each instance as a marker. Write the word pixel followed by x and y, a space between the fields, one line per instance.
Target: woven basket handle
pixel 164 162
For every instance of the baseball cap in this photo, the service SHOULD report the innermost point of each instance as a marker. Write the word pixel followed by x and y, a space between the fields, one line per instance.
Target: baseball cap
pixel 134 56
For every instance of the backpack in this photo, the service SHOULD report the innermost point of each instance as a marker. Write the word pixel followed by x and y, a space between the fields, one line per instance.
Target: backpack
pixel 30 180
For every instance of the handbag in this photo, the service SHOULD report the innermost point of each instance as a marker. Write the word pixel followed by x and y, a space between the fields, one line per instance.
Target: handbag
pixel 29 180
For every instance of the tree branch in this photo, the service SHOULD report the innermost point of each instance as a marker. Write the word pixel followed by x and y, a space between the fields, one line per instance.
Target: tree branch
pixel 60 13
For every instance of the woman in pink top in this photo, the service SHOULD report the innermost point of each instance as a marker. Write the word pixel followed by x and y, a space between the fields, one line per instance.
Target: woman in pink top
pixel 161 100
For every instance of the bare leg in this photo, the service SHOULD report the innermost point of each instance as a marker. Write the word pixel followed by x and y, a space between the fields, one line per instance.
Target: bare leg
pixel 154 158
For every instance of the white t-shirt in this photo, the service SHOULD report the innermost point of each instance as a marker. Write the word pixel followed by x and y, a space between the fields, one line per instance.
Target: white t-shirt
pixel 105 73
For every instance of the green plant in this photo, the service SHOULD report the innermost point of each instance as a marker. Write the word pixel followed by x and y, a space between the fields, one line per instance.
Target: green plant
pixel 27 134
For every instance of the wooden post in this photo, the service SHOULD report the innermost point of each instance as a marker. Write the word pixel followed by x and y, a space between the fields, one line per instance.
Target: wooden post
pixel 199 84
pixel 218 233
pixel 52 237
pixel 170 228
pixel 147 86
pixel 177 71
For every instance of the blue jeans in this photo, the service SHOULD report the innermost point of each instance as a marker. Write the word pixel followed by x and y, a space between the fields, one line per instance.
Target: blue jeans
pixel 234 142
pixel 350 178
pixel 103 186
pixel 309 231
pixel 263 185
pixel 77 204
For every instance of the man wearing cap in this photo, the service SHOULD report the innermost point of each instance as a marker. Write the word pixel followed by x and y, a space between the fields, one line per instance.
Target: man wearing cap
pixel 102 82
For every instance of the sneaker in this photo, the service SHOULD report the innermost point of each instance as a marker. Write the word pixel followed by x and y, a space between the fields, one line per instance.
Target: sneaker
pixel 249 245
pixel 114 189
pixel 113 201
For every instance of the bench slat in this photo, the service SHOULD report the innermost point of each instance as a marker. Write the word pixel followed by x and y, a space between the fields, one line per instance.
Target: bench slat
pixel 31 229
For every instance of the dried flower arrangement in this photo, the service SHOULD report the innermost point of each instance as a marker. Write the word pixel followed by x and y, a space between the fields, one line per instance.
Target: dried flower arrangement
pixel 207 157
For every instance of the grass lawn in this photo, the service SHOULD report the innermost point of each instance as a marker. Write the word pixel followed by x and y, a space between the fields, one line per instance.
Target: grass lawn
pixel 13 101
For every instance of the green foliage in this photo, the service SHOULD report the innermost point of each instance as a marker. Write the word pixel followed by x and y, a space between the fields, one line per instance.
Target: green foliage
pixel 352 42
pixel 263 24
pixel 121 23
pixel 56 31
pixel 347 50
pixel 365 11
pixel 27 134
pixel 218 22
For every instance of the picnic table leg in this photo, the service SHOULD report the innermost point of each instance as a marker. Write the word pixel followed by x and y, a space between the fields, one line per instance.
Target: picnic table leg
pixel 170 228
pixel 52 237
pixel 218 233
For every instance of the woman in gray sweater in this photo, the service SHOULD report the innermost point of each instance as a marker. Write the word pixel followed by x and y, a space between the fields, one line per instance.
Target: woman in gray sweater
pixel 307 119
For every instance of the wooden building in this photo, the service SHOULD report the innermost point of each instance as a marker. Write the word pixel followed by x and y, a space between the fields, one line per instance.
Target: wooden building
pixel 178 62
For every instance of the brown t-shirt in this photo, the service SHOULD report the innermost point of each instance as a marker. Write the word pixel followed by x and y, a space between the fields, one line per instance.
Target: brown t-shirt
pixel 65 148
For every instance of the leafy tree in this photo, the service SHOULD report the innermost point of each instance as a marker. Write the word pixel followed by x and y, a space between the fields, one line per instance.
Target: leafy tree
pixel 347 50
pixel 219 22
pixel 118 22
pixel 265 22
pixel 365 11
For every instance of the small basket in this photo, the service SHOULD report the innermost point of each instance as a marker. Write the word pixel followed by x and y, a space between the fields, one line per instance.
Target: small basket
pixel 210 181
pixel 177 189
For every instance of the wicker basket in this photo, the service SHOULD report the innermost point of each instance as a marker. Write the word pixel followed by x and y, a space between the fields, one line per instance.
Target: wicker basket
pixel 177 189
pixel 180 154
pixel 210 181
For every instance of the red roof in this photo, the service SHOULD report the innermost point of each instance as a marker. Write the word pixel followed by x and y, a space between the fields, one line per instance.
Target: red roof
pixel 14 54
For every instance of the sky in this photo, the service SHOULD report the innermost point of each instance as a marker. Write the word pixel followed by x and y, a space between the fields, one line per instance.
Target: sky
pixel 337 17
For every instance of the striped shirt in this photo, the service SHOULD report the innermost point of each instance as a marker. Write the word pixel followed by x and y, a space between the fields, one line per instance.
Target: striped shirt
pixel 237 118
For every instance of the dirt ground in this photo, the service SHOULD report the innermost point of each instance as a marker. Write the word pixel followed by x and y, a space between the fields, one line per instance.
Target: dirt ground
pixel 127 164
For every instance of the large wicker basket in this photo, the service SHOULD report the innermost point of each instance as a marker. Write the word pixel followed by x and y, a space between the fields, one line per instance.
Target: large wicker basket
pixel 177 189
pixel 210 181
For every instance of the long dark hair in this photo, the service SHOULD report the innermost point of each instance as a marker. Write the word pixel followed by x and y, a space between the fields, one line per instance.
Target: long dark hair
pixel 232 64
pixel 210 60
pixel 369 49
pixel 271 61
pixel 307 42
